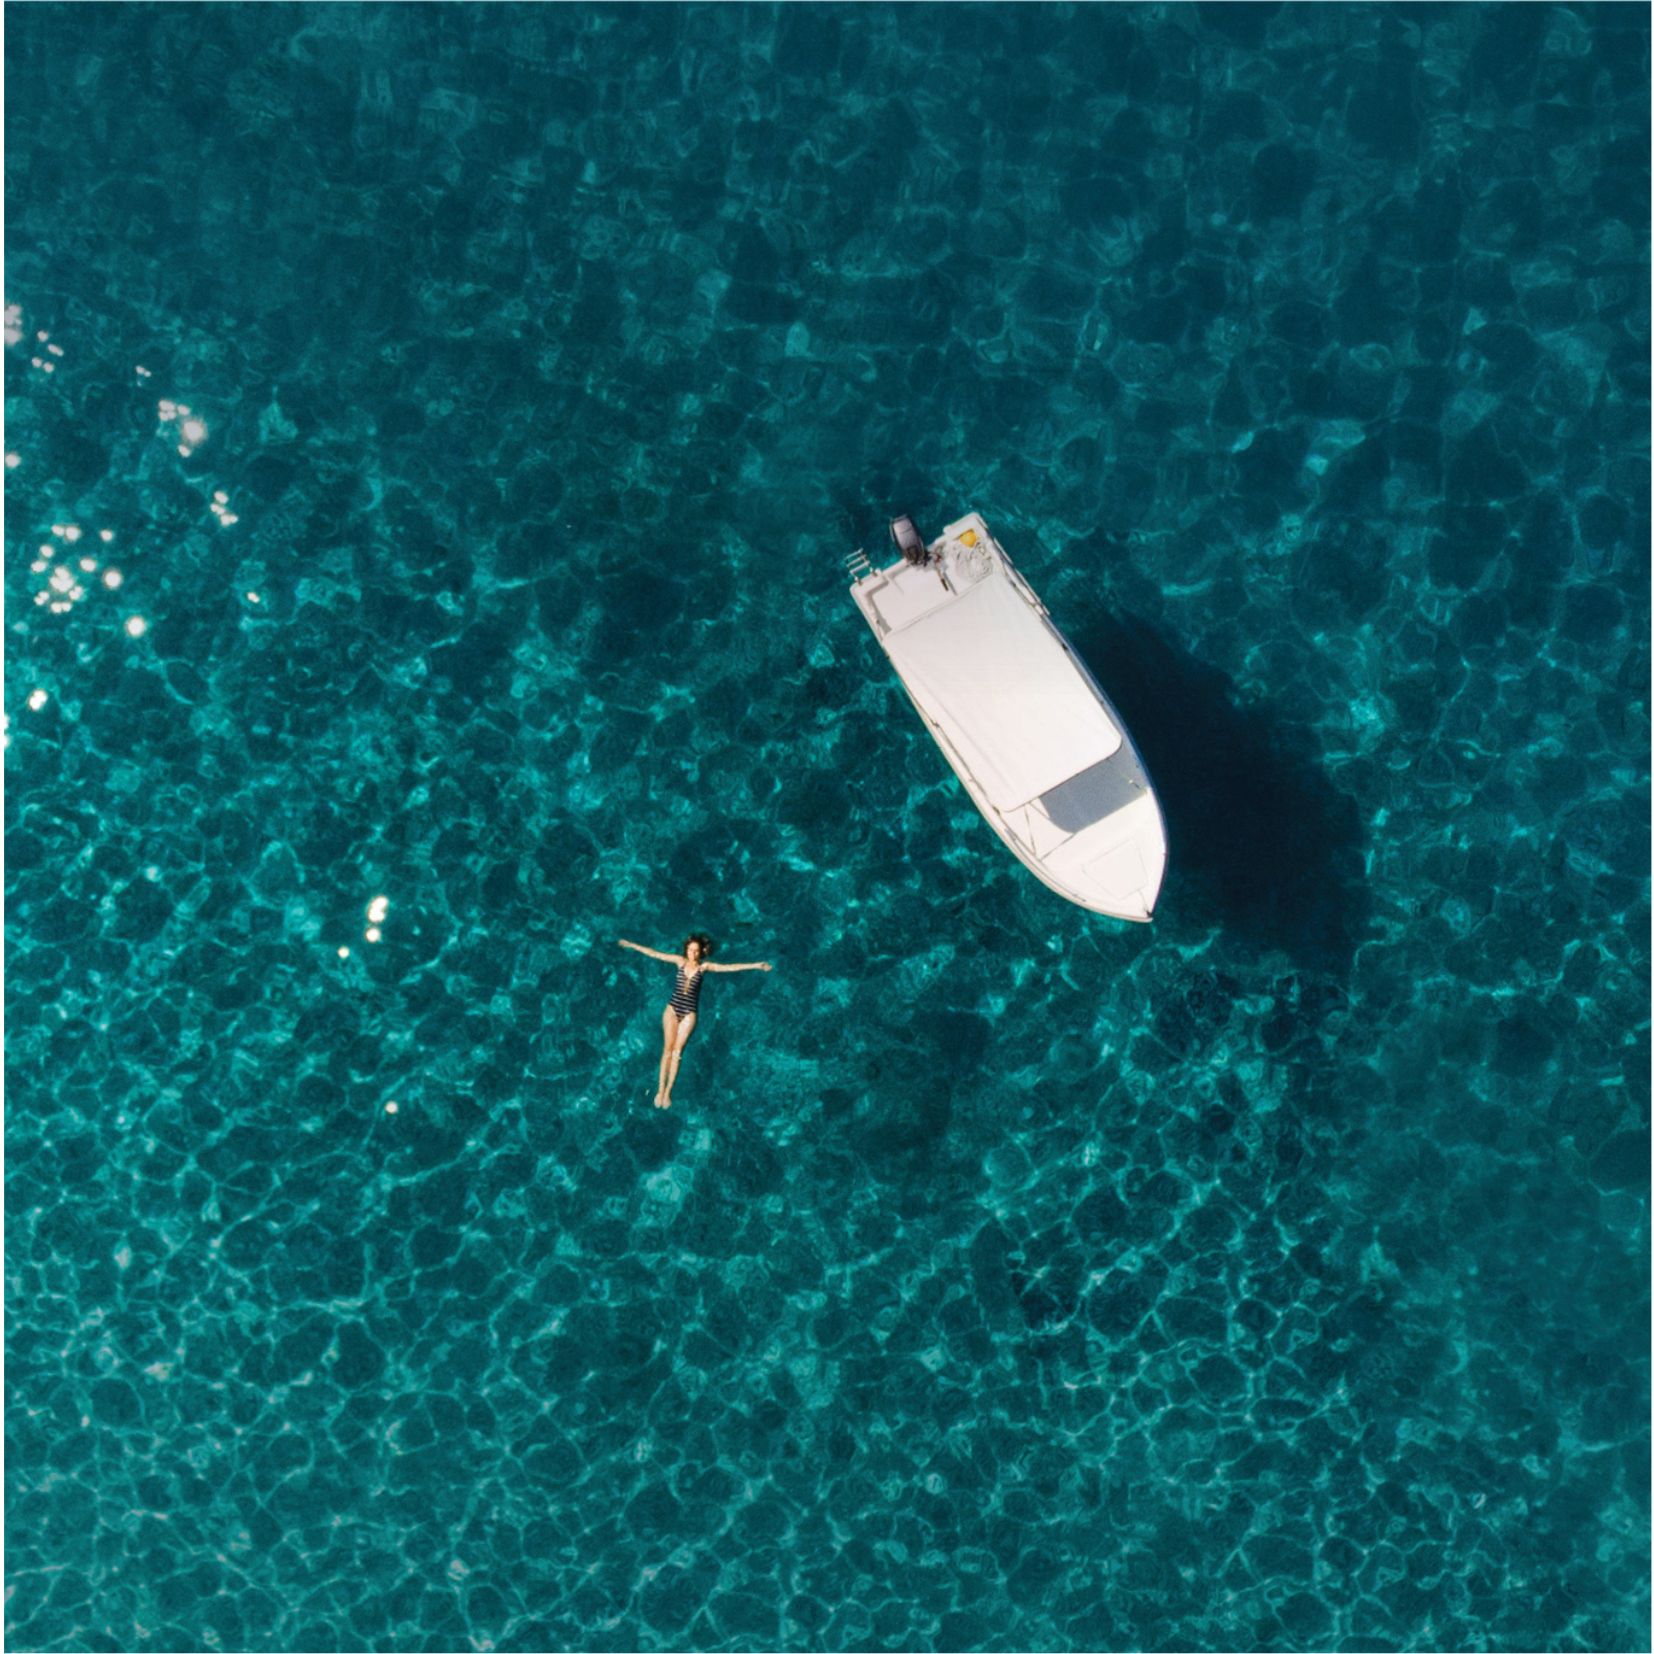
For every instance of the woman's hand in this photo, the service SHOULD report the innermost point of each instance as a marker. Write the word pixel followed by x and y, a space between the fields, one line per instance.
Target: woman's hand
pixel 766 967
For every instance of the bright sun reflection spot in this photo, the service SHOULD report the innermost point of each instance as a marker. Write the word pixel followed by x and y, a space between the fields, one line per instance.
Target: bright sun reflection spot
pixel 390 1108
pixel 344 953
pixel 37 699
pixel 13 461
pixel 192 428
pixel 372 933
pixel 377 909
pixel 14 323
pixel 136 626
pixel 106 535
pixel 111 578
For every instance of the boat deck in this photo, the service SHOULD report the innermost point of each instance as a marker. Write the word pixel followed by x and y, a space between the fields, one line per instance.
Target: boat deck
pixel 1023 723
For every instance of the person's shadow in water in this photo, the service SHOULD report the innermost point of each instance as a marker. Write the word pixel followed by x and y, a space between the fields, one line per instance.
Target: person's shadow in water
pixel 1260 838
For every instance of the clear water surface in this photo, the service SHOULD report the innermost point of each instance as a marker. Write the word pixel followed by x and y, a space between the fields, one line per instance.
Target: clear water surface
pixel 1276 1276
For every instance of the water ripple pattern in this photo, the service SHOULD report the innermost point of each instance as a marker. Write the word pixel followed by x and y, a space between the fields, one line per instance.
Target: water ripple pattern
pixel 432 438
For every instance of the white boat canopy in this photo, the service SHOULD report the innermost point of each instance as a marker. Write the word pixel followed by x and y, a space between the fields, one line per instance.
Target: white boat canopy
pixel 994 676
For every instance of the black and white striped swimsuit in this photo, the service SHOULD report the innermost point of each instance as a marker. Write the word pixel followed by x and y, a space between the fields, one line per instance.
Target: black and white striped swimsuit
pixel 686 991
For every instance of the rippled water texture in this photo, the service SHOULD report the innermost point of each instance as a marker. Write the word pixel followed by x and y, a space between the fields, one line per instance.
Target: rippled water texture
pixel 1003 1277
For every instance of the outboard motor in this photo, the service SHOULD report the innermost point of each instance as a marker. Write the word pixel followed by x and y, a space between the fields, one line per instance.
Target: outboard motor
pixel 908 542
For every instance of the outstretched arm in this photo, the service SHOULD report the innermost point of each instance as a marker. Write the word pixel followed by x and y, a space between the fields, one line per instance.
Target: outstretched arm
pixel 654 953
pixel 760 965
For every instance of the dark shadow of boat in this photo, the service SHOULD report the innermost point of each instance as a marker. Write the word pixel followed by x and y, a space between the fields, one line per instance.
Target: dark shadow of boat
pixel 1261 840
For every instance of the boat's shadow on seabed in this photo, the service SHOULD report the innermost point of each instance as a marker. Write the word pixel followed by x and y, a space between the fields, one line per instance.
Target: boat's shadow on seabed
pixel 1261 840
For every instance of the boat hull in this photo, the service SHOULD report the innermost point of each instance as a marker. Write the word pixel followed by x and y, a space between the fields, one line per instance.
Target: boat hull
pixel 1097 836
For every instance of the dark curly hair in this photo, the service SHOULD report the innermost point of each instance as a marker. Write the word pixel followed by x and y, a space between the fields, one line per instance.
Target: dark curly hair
pixel 705 941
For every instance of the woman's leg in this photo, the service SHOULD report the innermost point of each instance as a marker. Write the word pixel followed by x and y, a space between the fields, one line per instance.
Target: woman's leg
pixel 669 1034
pixel 685 1029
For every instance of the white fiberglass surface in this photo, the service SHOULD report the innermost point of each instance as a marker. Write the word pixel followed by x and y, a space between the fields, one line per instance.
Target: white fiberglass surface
pixel 989 670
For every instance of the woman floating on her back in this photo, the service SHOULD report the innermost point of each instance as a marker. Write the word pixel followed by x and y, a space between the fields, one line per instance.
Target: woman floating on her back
pixel 678 1019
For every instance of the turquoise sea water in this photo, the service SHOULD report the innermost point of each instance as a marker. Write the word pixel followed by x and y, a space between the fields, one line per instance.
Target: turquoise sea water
pixel 1275 1276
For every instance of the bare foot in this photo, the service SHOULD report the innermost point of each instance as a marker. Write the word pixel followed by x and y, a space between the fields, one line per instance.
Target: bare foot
pixel 665 1102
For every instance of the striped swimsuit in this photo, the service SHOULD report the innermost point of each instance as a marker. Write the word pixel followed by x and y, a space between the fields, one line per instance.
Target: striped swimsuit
pixel 686 991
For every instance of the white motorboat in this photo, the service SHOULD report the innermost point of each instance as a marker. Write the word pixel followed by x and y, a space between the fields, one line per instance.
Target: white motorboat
pixel 1037 743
